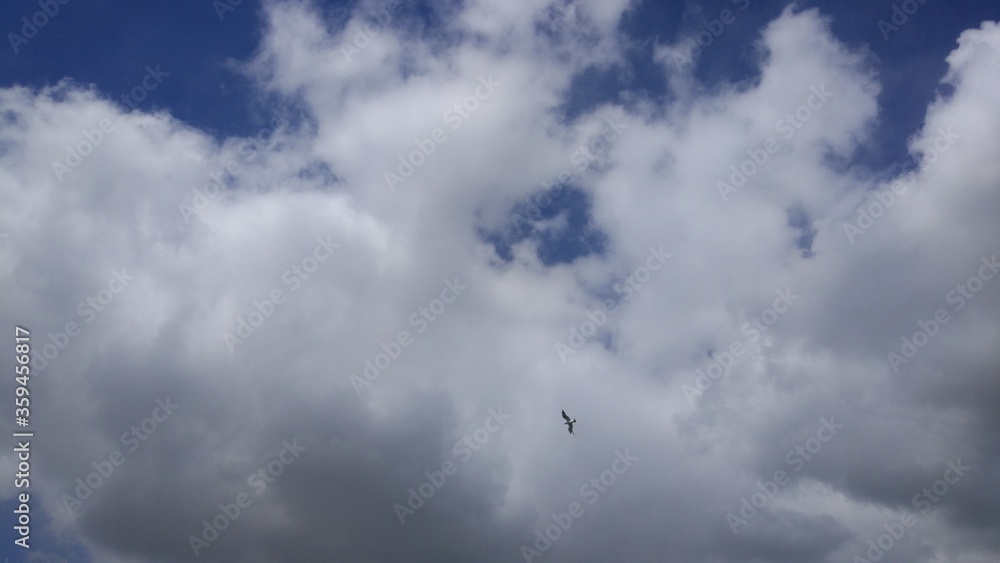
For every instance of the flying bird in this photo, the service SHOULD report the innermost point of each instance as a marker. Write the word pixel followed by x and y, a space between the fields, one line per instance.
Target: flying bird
pixel 569 422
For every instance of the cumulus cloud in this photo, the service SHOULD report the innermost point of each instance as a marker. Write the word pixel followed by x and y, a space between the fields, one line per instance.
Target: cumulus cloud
pixel 340 305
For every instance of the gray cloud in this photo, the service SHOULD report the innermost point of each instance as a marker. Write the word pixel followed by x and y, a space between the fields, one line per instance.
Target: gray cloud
pixel 319 181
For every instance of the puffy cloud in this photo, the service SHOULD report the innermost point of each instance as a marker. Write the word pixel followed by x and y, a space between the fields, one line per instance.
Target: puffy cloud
pixel 738 318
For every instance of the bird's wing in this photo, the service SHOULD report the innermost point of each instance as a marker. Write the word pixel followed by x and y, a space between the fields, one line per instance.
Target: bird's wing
pixel 571 430
pixel 566 416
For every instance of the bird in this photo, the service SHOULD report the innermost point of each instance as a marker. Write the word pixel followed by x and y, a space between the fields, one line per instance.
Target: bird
pixel 569 422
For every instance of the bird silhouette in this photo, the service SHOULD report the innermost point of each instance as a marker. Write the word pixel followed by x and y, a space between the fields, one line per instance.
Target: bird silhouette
pixel 569 422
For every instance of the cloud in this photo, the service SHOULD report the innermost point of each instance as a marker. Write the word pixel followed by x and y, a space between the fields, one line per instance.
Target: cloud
pixel 298 237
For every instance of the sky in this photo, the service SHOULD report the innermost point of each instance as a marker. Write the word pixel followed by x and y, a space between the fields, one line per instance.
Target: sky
pixel 314 281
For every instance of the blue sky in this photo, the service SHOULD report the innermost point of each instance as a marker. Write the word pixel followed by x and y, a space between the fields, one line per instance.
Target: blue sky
pixel 108 44
pixel 872 208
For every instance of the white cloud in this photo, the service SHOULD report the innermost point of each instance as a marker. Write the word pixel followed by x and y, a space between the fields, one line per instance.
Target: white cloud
pixel 494 345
